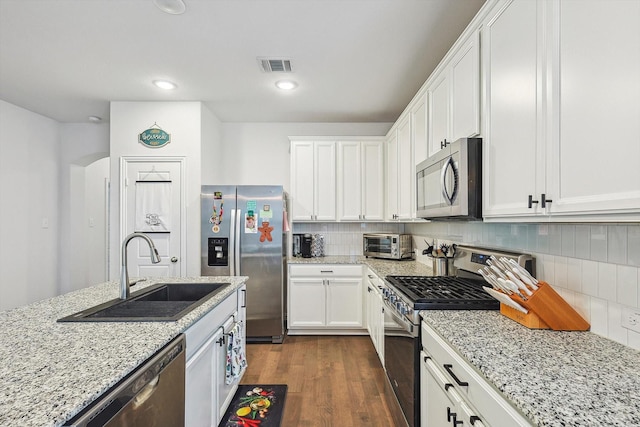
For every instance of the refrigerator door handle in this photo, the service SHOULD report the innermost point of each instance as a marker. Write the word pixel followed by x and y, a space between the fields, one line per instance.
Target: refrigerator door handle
pixel 232 243
pixel 236 245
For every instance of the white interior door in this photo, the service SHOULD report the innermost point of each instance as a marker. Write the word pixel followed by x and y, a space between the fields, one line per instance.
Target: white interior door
pixel 153 203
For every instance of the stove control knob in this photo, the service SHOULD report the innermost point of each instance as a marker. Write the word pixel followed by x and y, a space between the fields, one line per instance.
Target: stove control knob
pixel 392 298
pixel 409 311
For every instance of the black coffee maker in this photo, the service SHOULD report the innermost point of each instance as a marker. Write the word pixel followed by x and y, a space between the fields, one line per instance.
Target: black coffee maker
pixel 305 245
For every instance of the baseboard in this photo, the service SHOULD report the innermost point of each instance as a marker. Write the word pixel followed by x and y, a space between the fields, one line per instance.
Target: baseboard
pixel 327 332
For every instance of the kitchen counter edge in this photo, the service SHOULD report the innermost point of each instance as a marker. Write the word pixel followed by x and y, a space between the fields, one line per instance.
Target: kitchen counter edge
pixel 52 370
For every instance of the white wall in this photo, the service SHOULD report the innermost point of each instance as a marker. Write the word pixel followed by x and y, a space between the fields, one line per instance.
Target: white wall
pixel 258 153
pixel 81 145
pixel 29 168
pixel 183 120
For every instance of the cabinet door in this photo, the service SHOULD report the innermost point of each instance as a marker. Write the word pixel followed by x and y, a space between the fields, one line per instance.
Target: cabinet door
pixel 419 129
pixel 513 151
pixel 307 302
pixel 344 303
pixel 436 403
pixel 223 393
pixel 372 168
pixel 406 170
pixel 438 95
pixel 595 147
pixel 302 180
pixel 465 90
pixel 378 319
pixel 324 173
pixel 350 180
pixel 392 175
pixel 200 407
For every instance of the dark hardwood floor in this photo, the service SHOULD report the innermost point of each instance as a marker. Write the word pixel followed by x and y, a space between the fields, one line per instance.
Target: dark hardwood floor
pixel 333 380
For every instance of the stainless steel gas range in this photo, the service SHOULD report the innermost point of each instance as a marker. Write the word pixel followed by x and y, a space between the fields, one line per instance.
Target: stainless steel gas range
pixel 406 296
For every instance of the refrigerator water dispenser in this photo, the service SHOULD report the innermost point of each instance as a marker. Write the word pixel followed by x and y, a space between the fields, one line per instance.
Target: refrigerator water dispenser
pixel 218 251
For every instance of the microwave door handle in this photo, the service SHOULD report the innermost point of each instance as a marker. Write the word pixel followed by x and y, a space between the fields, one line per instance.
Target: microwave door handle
pixel 443 181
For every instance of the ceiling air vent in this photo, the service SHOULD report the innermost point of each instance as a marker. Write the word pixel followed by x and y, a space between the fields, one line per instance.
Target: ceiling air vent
pixel 275 65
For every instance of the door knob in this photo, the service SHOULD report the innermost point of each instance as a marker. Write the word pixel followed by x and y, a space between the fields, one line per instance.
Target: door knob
pixel 174 259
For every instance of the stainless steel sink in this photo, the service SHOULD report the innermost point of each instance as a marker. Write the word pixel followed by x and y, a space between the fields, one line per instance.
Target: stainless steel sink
pixel 159 303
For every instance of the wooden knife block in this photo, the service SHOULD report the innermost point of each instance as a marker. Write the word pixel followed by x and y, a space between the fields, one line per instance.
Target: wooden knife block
pixel 550 309
pixel 530 320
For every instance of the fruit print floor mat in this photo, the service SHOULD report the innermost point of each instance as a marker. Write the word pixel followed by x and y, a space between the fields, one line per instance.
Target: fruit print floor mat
pixel 256 406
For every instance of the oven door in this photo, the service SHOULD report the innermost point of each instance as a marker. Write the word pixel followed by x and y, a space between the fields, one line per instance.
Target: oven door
pixel 401 359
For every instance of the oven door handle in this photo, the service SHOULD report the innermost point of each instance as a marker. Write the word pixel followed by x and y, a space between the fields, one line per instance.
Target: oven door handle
pixel 399 319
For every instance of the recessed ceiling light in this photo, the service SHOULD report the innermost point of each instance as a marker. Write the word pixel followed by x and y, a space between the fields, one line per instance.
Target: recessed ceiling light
pixel 95 119
pixel 173 7
pixel 286 84
pixel 165 84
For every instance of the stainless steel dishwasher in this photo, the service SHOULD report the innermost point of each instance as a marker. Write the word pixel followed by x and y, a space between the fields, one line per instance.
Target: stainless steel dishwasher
pixel 152 395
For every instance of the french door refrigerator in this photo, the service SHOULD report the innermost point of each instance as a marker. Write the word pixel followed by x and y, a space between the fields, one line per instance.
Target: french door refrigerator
pixel 243 235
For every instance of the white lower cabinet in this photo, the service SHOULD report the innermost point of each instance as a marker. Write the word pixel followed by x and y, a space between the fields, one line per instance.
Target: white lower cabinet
pixel 324 297
pixel 454 394
pixel 207 395
pixel 375 313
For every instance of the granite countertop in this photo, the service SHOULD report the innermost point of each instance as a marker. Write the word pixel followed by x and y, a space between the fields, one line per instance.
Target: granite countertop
pixel 553 378
pixel 51 370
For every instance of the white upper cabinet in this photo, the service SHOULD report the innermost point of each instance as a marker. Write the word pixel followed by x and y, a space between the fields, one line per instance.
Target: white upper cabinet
pixel 419 129
pixel 555 103
pixel 454 96
pixel 512 149
pixel 313 180
pixel 392 175
pixel 465 89
pixel 400 171
pixel 361 180
pixel 595 108
pixel 438 93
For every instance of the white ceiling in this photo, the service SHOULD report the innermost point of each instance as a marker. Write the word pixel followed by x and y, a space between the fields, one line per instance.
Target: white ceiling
pixel 354 60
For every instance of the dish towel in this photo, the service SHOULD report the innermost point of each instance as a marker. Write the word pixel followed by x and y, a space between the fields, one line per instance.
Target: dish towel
pixel 236 360
pixel 153 206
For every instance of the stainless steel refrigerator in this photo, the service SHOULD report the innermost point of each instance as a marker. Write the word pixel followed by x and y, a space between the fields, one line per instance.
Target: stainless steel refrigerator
pixel 243 235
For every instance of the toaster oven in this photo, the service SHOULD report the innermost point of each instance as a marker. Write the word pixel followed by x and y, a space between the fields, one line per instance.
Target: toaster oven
pixel 389 246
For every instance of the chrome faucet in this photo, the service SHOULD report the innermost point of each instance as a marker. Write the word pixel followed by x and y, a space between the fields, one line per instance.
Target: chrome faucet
pixel 124 273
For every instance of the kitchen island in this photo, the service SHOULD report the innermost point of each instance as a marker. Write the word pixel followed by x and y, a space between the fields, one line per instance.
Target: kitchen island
pixel 51 370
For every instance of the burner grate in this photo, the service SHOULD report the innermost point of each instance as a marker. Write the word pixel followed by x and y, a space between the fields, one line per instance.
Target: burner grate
pixel 444 292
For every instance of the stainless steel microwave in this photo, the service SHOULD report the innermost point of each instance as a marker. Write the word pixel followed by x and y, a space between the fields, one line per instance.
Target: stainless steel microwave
pixel 449 183
pixel 389 246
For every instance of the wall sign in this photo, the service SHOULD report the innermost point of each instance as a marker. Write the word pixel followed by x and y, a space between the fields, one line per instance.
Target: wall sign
pixel 154 137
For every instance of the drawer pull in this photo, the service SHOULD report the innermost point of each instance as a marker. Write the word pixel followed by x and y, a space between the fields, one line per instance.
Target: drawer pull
pixel 449 369
pixel 450 415
pixel 473 419
pixel 447 386
pixel 326 271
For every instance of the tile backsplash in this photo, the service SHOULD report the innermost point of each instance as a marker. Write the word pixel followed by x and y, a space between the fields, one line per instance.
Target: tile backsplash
pixel 345 238
pixel 595 267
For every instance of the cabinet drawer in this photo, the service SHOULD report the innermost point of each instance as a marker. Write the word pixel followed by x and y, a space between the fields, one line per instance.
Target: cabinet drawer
pixel 204 328
pixel 325 270
pixel 494 408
